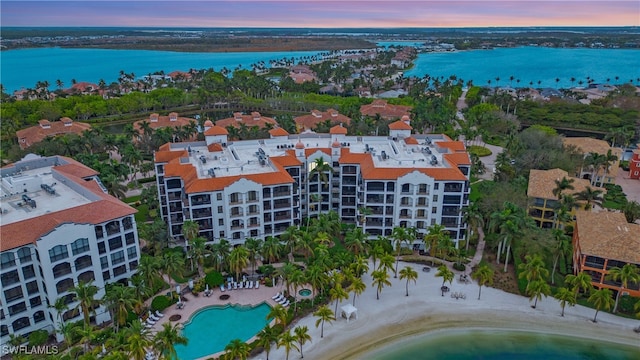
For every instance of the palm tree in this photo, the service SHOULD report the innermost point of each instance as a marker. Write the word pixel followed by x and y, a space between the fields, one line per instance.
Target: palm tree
pixel 607 160
pixel 288 341
pixel 409 274
pixel 562 185
pixel 60 306
pixel 148 269
pixel 220 253
pixel 197 252
pixel 446 275
pixel 359 266
pixel 271 249
pixel 400 236
pixel 138 340
pixel 87 335
pixel 267 336
pixel 165 340
pixel 565 296
pixel 533 269
pixel 473 218
pixel 579 282
pixel 190 230
pixel 627 274
pixel 357 287
pixel 302 336
pixel 590 196
pixel 238 260
pixel 85 293
pixel 120 299
pixel 253 246
pixel 562 249
pixel 338 294
pixel 483 275
pixel 601 299
pixel 323 314
pixel 279 314
pixel 237 349
pixel 380 280
pixel 355 240
pixel 536 289
pixel 172 262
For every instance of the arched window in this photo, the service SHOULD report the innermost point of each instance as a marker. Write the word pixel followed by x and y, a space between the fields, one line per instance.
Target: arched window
pixel 86 276
pixel 61 269
pixel 58 253
pixel 25 255
pixel 21 323
pixel 38 316
pixel 79 246
pixel 7 259
pixel 83 262
pixel 64 285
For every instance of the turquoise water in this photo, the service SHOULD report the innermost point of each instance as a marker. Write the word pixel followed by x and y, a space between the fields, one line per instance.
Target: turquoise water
pixel 211 329
pixel 24 67
pixel 304 292
pixel 499 345
pixel 532 64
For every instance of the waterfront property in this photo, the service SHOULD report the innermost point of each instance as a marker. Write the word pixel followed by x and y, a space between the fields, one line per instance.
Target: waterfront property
pixel 634 164
pixel 603 173
pixel 45 128
pixel 543 203
pixel 156 121
pixel 601 241
pixel 317 117
pixel 59 228
pixel 258 188
pixel 254 119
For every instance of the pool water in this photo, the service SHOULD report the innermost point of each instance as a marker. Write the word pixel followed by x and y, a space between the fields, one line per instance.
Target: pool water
pixel 211 329
pixel 304 292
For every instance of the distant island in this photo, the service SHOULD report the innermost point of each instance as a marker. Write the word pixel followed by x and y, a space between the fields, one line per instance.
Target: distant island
pixel 262 39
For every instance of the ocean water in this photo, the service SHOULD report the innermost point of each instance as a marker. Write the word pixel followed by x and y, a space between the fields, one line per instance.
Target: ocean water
pixel 24 67
pixel 532 64
pixel 502 345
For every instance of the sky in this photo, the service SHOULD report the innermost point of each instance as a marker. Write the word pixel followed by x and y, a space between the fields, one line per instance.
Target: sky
pixel 321 14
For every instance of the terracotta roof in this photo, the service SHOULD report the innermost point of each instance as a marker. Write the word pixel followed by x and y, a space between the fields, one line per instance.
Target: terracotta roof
pixel 299 144
pixel 208 123
pixel 278 132
pixel 35 134
pixel 309 152
pixel 166 155
pixel 588 145
pixel 289 160
pixel 300 78
pixel 311 121
pixel 216 130
pixel 411 141
pixel 542 183
pixel 158 121
pixel 459 158
pixel 253 119
pixel 608 235
pixel 338 129
pixel 28 231
pixel 399 125
pixel 386 110
pixel 215 147
pixel 455 146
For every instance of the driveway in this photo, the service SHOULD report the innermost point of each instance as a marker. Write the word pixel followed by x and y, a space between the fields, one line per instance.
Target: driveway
pixel 631 187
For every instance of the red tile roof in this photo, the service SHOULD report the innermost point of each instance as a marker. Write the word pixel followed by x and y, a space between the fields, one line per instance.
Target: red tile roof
pixel 278 132
pixel 157 121
pixel 455 146
pixel 411 141
pixel 216 130
pixel 338 129
pixel 35 134
pixel 387 111
pixel 399 125
pixel 254 119
pixel 311 121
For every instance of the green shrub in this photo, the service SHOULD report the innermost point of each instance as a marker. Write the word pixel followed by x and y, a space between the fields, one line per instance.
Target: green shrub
pixel 161 302
pixel 479 151
pixel 459 267
pixel 214 279
pixel 38 337
pixel 266 270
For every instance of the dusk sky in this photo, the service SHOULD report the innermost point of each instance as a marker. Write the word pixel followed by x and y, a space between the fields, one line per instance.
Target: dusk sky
pixel 321 14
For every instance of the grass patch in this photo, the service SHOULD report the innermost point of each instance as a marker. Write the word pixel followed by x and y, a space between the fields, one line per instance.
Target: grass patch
pixel 143 213
pixel 479 151
pixel 132 199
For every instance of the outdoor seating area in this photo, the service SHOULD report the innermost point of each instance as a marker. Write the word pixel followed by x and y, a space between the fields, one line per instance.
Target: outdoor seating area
pixel 244 284
pixel 459 295
pixel 464 278
pixel 281 299
pixel 426 269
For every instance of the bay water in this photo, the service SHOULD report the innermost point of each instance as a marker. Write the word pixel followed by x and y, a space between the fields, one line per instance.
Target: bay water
pixel 24 67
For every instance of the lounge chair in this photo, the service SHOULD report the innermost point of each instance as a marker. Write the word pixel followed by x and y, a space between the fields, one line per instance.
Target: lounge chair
pixel 149 321
pixel 280 298
pixel 286 303
pixel 250 284
pixel 153 317
pixel 222 288
pixel 257 284
pixel 159 314
pixel 284 300
pixel 235 286
pixel 147 325
pixel 241 286
pixel 276 296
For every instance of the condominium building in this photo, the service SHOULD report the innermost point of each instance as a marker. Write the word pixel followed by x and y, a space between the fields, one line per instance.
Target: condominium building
pixel 601 241
pixel 258 188
pixel 58 227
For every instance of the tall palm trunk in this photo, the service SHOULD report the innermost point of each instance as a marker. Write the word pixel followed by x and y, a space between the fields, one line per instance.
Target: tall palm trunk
pixel 506 257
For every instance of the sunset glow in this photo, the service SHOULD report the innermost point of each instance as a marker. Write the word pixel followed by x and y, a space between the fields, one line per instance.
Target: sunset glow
pixel 321 14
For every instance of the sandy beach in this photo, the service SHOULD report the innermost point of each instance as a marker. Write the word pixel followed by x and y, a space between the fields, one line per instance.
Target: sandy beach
pixel 395 317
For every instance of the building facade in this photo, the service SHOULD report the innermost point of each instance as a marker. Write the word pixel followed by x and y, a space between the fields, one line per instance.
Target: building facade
pixel 601 241
pixel 634 164
pixel 59 228
pixel 258 188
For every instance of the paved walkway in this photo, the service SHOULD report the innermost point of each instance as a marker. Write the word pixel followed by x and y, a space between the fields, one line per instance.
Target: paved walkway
pixel 631 187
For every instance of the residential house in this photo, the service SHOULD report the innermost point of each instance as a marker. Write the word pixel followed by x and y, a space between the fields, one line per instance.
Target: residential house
pixel 587 145
pixel 385 110
pixel 311 121
pixel 249 120
pixel 45 128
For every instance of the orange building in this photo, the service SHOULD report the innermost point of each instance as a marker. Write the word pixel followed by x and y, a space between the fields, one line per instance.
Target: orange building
pixel 634 164
pixel 311 121
pixel 601 241
pixel 46 128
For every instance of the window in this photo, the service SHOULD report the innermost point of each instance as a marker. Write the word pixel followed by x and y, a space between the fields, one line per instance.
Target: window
pixel 220 210
pixel 16 309
pixel 434 210
pixel 132 253
pixel 221 234
pixel 101 248
pixel 253 196
pixel 64 285
pixel 119 270
pixel 58 253
pixel 99 232
pixel 38 316
pixel 435 198
pixel 436 186
pixel 79 246
pixel 24 254
pixel 104 262
pixel 32 288
pixel 28 272
pixel 219 196
pixel 133 265
pixel 117 258
pixel 115 243
pixel 7 259
pixel 61 269
pixel 127 223
pixel 21 323
pixel 13 294
pixel 4 330
pixel 106 275
pixel 10 278
pixel 36 301
pixel 86 277
pixel 129 238
pixel 221 222
pixel 113 227
pixel 83 262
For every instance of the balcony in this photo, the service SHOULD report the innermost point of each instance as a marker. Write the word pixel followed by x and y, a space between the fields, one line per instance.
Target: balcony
pixel 282 205
pixel 453 188
pixel 281 193
pixel 236 215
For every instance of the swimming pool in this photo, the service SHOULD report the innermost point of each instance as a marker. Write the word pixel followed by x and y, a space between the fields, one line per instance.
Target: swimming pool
pixel 210 329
